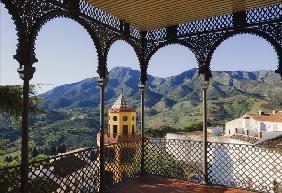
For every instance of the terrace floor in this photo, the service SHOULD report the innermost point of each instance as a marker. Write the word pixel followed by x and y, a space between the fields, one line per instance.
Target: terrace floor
pixel 156 184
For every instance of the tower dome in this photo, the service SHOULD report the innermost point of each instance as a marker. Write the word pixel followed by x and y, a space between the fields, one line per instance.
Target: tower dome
pixel 121 105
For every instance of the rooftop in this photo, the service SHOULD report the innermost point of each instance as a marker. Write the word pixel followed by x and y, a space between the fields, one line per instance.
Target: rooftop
pixel 121 105
pixel 274 117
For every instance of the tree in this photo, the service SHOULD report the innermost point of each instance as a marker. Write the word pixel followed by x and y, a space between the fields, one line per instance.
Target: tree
pixel 8 159
pixel 11 99
pixel 160 132
pixel 3 143
pixel 62 148
pixel 53 150
pixel 197 126
pixel 34 152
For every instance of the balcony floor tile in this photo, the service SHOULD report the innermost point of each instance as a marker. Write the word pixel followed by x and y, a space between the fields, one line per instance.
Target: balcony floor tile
pixel 156 184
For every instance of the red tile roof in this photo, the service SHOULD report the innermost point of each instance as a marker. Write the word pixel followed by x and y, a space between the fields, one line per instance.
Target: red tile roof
pixel 277 117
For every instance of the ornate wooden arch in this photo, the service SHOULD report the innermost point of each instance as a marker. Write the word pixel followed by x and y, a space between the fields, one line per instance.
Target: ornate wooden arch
pixel 205 35
pixel 201 36
pixel 30 16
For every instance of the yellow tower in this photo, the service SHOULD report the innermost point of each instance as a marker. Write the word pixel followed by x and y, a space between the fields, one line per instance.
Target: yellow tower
pixel 122 118
pixel 122 143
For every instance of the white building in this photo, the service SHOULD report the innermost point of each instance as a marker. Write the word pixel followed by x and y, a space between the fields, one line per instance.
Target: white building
pixel 258 125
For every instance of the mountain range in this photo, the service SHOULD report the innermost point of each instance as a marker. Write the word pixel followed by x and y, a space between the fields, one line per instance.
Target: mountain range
pixel 72 111
pixel 230 94
pixel 185 86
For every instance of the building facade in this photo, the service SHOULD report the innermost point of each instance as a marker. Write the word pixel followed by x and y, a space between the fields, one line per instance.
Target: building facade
pixel 257 125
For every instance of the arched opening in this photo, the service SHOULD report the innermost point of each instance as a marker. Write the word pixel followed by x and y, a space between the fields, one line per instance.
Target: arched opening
pixel 243 82
pixel 123 67
pixel 122 54
pixel 254 51
pixel 66 79
pixel 10 83
pixel 63 59
pixel 124 74
pixel 173 94
pixel 171 60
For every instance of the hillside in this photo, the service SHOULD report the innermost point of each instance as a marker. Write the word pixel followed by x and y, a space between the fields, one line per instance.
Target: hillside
pixel 71 112
pixel 170 101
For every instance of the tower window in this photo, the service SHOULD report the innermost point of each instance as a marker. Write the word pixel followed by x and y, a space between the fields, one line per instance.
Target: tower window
pixel 133 118
pixel 115 118
pixel 115 129
pixel 133 129
pixel 124 118
pixel 125 129
pixel 109 117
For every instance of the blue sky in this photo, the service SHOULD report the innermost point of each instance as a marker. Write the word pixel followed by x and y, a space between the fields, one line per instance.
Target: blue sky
pixel 66 54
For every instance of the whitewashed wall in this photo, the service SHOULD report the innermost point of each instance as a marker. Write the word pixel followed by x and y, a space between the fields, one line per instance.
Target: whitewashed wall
pixel 245 166
pixel 252 125
pixel 232 164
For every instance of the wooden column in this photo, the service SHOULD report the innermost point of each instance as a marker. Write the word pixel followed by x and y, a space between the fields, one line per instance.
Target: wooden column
pixel 205 138
pixel 26 74
pixel 102 83
pixel 142 90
